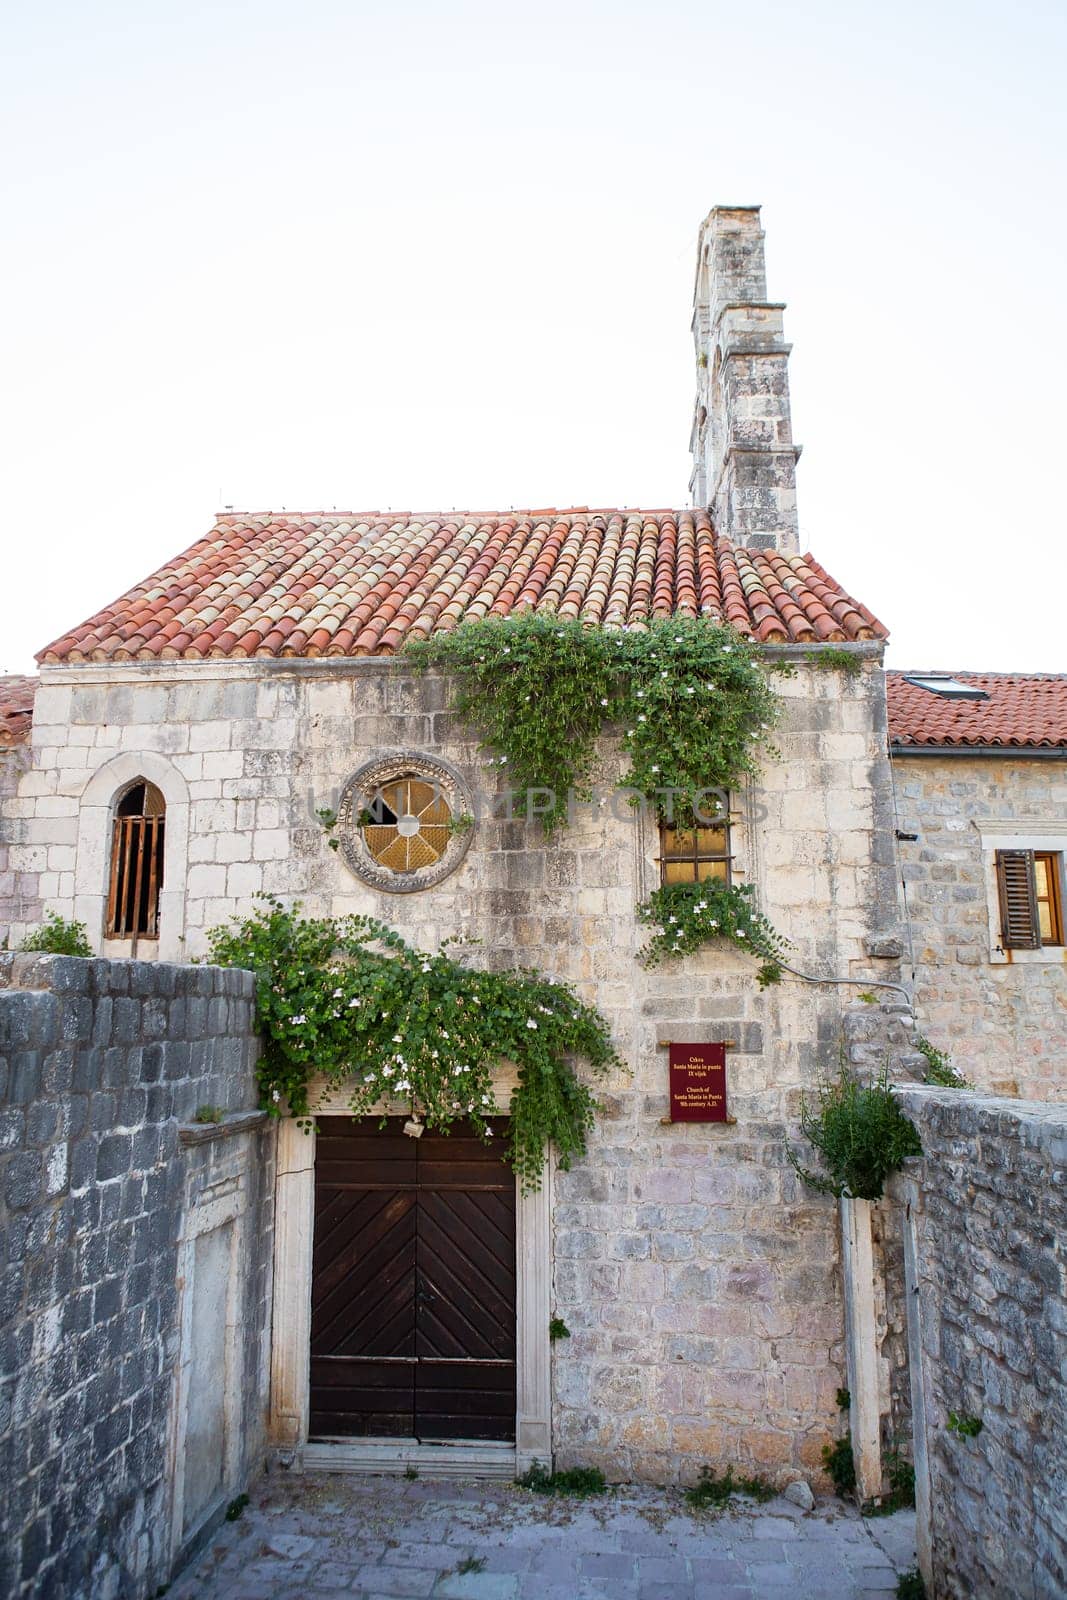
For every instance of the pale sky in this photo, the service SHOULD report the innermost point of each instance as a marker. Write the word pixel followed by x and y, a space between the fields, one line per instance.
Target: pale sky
pixel 426 256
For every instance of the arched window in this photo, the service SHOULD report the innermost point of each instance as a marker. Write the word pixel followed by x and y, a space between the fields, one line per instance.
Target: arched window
pixel 136 863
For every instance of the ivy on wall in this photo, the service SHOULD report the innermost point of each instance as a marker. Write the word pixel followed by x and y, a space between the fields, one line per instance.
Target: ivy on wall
pixel 694 704
pixel 690 915
pixel 696 710
pixel 350 1000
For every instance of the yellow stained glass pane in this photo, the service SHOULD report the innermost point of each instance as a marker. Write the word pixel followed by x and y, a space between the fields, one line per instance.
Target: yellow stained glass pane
pixel 1041 875
pixel 710 869
pixel 678 841
pixel 1044 920
pixel 436 839
pixel 679 871
pixel 395 855
pixel 378 839
pixel 711 841
pixel 417 795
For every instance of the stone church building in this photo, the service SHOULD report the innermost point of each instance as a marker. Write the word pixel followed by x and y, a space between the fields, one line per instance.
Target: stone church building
pixel 185 738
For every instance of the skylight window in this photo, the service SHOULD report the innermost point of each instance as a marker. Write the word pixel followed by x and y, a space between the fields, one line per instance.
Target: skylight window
pixel 947 687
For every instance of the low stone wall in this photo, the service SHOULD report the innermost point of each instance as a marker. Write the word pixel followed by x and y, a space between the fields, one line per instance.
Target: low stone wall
pixel 987 1215
pixel 131 1408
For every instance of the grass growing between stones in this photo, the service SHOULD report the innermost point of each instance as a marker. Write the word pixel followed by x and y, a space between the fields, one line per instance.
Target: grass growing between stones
pixel 840 1465
pixel 711 1493
pixel 910 1585
pixel 901 1496
pixel 577 1482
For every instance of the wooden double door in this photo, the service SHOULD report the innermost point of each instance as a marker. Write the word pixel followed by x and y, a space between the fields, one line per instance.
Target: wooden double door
pixel 413 1284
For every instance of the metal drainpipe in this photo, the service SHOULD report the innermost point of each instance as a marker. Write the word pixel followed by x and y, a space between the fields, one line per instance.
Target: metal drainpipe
pixel 859 983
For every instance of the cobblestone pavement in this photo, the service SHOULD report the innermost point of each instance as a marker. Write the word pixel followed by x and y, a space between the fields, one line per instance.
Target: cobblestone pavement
pixel 318 1537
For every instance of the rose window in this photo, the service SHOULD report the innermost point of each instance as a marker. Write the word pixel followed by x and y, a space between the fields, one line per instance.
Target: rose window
pixel 406 825
pixel 405 821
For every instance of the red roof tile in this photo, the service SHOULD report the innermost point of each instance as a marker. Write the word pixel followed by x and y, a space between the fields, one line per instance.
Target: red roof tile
pixel 1022 711
pixel 362 584
pixel 16 708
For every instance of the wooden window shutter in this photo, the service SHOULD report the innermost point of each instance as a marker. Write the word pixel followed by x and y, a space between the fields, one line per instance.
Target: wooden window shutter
pixel 1017 885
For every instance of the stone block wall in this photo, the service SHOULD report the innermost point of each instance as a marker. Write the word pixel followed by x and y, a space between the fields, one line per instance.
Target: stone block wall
pixel 989 1214
pixel 19 900
pixel 700 1282
pixel 102 1064
pixel 1002 1015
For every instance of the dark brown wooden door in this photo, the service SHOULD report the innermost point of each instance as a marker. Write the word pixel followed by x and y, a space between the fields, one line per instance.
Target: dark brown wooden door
pixel 413 1285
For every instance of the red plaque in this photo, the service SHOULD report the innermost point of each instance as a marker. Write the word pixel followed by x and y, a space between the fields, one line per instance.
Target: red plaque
pixel 698 1082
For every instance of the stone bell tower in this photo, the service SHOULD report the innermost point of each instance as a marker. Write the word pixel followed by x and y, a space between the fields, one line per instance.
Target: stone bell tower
pixel 744 458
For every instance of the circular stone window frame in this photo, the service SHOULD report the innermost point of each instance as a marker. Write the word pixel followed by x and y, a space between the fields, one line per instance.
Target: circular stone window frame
pixel 356 796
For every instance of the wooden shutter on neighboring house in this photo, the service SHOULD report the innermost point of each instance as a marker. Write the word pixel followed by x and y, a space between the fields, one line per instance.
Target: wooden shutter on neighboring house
pixel 1019 929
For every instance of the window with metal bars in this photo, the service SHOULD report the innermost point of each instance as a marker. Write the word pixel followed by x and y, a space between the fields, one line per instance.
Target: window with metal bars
pixel 136 876
pixel 1030 887
pixel 692 855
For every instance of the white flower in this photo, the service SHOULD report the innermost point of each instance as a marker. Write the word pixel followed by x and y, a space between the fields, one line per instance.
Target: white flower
pixel 655 769
pixel 297 1020
pixel 640 694
pixel 488 1133
pixel 530 1023
pixel 487 1099
pixel 352 1003
pixel 642 718
pixel 671 919
pixel 740 933
pixel 433 1055
pixel 444 1035
pixel 338 994
pixel 527 697
pixel 503 761
pixel 507 649
pixel 690 690
pixel 603 702
pixel 425 966
pixel 629 735
pixel 398 1038
pixel 387 1072
pixel 275 1096
pixel 664 674
pixel 713 923
pixel 677 638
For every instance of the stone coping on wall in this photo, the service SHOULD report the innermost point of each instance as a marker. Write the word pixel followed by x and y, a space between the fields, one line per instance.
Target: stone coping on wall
pixel 1040 1123
pixel 229 1125
pixel 29 969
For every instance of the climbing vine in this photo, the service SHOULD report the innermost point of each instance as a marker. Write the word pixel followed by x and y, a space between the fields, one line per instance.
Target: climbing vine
pixel 689 915
pixel 349 1000
pixel 694 703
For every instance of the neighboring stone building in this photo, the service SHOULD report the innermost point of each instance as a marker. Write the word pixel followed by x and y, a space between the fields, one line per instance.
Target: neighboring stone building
pixel 980 778
pixel 184 739
pixel 19 897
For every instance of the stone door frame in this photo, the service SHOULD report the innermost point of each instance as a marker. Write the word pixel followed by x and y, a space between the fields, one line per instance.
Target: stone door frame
pixel 290 1389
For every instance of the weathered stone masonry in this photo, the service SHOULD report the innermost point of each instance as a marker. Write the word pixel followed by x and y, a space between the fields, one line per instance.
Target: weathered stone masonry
pixel 988 1312
pixel 699 1281
pixel 110 1459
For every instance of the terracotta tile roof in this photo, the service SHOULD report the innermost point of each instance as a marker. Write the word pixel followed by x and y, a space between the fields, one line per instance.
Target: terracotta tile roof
pixel 356 585
pixel 16 708
pixel 1024 710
